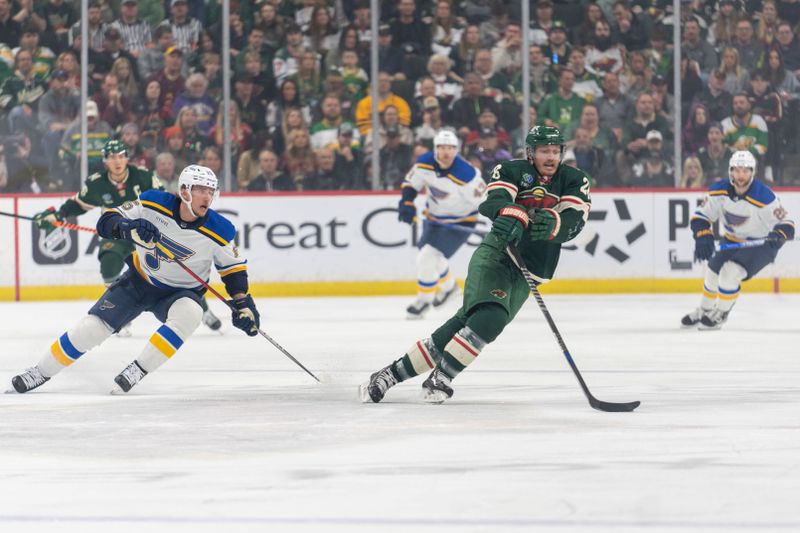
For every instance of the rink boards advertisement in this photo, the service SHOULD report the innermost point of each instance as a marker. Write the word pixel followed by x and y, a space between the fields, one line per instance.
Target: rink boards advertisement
pixel 313 244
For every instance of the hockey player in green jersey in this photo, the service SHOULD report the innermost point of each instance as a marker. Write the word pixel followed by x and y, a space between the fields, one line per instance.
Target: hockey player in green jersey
pixel 535 204
pixel 120 182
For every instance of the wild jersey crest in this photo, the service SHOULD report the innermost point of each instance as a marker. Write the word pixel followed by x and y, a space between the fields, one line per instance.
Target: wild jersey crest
pixel 154 258
pixel 538 197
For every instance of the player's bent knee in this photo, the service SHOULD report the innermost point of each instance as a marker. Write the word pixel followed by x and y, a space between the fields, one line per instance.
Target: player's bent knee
pixel 184 316
pixel 89 332
pixel 731 274
pixel 428 257
pixel 488 321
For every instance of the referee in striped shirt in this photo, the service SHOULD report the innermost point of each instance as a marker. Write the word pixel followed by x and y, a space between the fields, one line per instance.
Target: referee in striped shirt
pixel 135 32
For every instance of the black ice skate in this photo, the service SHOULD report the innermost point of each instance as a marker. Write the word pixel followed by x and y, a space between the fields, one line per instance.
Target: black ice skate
pixel 211 321
pixel 693 318
pixel 417 309
pixel 375 389
pixel 442 297
pixel 437 389
pixel 28 380
pixel 713 320
pixel 129 377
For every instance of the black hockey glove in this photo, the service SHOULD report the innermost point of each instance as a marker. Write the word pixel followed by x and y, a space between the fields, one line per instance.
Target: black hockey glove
pixel 45 219
pixel 246 316
pixel 139 231
pixel 703 245
pixel 775 239
pixel 510 225
pixel 544 225
pixel 406 211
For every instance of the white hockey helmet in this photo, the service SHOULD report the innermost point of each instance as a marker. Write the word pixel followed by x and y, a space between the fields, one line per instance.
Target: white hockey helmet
pixel 447 137
pixel 742 158
pixel 196 175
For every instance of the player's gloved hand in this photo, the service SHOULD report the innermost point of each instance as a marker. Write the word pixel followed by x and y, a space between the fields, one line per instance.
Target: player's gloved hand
pixel 510 225
pixel 139 231
pixel 406 211
pixel 544 225
pixel 246 316
pixel 775 239
pixel 45 219
pixel 703 245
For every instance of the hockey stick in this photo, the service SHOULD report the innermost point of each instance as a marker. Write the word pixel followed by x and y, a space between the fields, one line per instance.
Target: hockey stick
pixel 748 244
pixel 58 223
pixel 594 402
pixel 211 289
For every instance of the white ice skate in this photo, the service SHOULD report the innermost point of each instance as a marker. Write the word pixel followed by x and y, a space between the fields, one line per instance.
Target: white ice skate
pixel 437 389
pixel 375 389
pixel 693 319
pixel 28 380
pixel 417 309
pixel 211 321
pixel 713 320
pixel 442 297
pixel 129 377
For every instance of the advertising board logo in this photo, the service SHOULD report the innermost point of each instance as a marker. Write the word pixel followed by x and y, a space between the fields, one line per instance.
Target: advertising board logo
pixel 55 247
pixel 618 251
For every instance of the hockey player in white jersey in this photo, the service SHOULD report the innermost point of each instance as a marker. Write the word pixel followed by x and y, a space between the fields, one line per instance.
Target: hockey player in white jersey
pixel 455 188
pixel 194 233
pixel 747 210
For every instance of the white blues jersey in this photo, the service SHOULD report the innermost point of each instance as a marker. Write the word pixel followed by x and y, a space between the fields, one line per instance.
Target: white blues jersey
pixel 749 216
pixel 453 194
pixel 199 244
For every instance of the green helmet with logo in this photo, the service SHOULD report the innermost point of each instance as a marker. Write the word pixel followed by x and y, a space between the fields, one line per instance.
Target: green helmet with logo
pixel 542 135
pixel 115 146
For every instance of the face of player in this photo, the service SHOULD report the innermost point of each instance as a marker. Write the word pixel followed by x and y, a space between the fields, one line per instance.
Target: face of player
pixel 116 164
pixel 741 178
pixel 201 199
pixel 445 155
pixel 546 159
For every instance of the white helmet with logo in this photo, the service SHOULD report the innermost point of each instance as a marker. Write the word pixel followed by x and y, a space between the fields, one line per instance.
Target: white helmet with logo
pixel 742 158
pixel 196 175
pixel 447 137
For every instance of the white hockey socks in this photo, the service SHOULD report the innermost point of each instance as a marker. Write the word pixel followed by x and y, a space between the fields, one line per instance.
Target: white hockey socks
pixel 461 351
pixel 730 278
pixel 446 280
pixel 421 357
pixel 710 290
pixel 89 332
pixel 182 319
pixel 427 273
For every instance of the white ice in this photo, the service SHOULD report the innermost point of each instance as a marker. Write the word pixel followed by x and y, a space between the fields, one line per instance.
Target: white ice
pixel 231 436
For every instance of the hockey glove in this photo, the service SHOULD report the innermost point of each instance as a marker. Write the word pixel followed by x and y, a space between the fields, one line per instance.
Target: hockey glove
pixel 45 219
pixel 775 239
pixel 703 245
pixel 510 225
pixel 246 316
pixel 139 231
pixel 544 225
pixel 406 211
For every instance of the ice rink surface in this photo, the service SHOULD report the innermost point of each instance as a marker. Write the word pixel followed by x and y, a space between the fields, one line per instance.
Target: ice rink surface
pixel 230 436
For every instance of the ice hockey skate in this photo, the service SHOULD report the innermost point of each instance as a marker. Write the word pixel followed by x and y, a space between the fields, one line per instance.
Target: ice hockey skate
pixel 28 380
pixel 443 297
pixel 436 389
pixel 417 309
pixel 693 319
pixel 713 320
pixel 211 321
pixel 129 377
pixel 375 389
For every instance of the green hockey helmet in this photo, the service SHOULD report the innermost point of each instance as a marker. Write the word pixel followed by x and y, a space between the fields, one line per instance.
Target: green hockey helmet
pixel 115 146
pixel 543 135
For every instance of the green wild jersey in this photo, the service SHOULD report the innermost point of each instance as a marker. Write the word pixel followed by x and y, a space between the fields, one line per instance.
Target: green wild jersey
pixel 567 193
pixel 99 191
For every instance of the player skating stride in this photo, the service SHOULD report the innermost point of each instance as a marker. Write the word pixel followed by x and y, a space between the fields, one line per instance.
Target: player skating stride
pixel 120 182
pixel 193 233
pixel 455 188
pixel 495 289
pixel 747 209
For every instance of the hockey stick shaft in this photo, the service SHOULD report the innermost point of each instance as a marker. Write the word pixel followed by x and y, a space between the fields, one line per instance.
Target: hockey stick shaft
pixel 213 291
pixel 755 243
pixel 58 223
pixel 593 402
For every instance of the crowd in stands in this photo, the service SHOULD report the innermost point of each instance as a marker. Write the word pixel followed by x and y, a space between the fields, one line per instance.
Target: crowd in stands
pixel 301 103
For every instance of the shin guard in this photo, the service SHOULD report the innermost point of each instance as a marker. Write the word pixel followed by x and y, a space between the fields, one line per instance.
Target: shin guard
pixel 461 351
pixel 69 347
pixel 182 319
pixel 421 357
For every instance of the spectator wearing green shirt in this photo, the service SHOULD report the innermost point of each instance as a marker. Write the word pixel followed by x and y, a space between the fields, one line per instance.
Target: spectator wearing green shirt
pixel 563 107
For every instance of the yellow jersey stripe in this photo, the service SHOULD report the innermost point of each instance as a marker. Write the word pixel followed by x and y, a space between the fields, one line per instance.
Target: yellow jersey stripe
pixel 213 235
pixel 718 193
pixel 423 165
pixel 157 207
pixel 754 202
pixel 238 268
